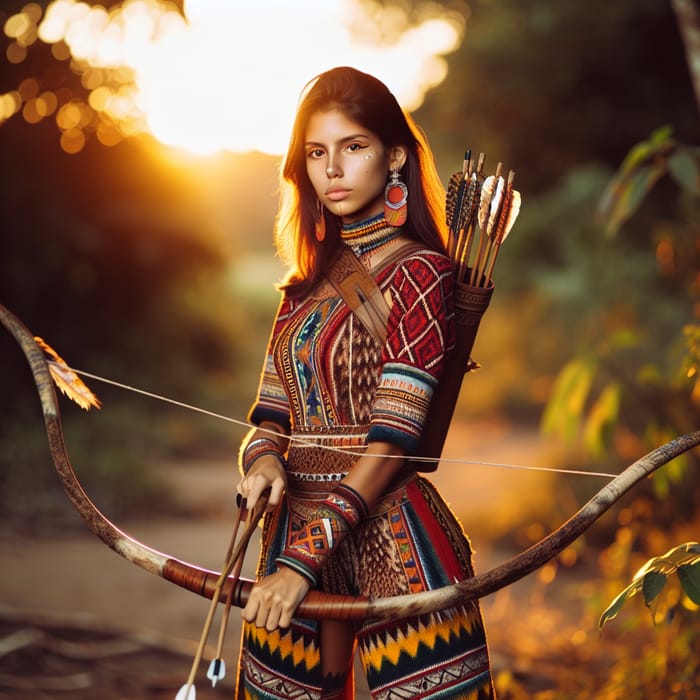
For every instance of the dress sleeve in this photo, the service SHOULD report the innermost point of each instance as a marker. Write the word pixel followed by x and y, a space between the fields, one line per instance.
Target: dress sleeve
pixel 271 403
pixel 420 333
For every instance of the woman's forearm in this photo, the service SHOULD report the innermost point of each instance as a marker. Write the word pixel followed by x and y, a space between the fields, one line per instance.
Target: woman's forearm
pixel 263 465
pixel 372 474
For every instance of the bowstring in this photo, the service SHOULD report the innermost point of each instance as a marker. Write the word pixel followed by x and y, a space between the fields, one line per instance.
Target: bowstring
pixel 345 450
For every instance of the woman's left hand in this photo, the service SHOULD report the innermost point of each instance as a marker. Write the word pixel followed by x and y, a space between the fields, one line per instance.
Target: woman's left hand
pixel 275 598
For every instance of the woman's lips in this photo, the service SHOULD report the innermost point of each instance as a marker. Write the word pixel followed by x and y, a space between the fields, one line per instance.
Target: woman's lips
pixel 337 195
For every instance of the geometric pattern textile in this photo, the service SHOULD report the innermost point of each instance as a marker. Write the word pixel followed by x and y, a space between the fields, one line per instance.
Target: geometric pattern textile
pixel 327 380
pixel 323 368
pixel 312 543
pixel 410 542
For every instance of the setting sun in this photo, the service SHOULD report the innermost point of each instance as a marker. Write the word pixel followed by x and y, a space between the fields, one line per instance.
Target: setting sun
pixel 227 74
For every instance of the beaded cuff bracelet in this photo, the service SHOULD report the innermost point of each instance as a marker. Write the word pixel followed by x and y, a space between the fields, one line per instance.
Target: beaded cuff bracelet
pixel 257 448
pixel 310 546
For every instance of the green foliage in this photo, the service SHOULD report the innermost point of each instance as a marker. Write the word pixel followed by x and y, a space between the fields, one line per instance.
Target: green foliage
pixel 690 364
pixel 651 580
pixel 593 397
pixel 599 428
pixel 548 87
pixel 569 397
pixel 674 471
pixel 644 166
pixel 640 370
pixel 581 406
pixel 689 576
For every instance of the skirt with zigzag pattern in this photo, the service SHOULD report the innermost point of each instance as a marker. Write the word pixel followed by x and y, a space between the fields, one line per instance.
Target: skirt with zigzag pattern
pixel 411 542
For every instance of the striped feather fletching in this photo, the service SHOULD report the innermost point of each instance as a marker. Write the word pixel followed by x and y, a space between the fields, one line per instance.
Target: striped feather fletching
pixel 495 208
pixel 487 190
pixel 67 380
pixel 453 202
pixel 499 229
pixel 472 198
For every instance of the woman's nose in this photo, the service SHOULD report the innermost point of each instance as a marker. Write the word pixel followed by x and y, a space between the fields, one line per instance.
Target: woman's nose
pixel 332 170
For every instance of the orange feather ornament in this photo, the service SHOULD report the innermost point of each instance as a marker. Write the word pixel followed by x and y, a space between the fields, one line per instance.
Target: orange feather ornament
pixel 67 380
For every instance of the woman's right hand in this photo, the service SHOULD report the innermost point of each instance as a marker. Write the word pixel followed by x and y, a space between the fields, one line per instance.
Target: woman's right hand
pixel 266 473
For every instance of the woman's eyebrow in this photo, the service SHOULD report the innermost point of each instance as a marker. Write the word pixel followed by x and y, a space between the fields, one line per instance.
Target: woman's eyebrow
pixel 344 139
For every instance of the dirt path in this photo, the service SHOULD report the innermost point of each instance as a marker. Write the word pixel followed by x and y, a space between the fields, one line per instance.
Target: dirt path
pixel 77 576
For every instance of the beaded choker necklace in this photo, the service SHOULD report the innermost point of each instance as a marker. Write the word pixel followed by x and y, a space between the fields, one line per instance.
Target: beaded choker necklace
pixel 368 235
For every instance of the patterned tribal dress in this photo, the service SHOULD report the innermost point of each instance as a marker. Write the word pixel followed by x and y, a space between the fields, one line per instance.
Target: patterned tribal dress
pixel 330 383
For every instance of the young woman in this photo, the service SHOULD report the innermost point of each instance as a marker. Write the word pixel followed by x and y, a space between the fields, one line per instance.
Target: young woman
pixel 339 407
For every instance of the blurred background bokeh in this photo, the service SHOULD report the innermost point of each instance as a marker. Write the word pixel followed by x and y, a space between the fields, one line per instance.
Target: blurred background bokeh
pixel 140 142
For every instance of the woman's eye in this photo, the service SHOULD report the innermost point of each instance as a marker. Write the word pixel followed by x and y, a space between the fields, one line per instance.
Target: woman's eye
pixel 355 147
pixel 315 153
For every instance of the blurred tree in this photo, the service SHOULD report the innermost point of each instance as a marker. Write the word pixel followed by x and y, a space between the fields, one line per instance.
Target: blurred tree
pixel 615 387
pixel 547 86
pixel 112 255
pixel 688 14
pixel 626 379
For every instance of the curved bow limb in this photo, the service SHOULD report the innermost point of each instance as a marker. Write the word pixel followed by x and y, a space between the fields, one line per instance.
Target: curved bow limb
pixel 318 604
pixel 184 574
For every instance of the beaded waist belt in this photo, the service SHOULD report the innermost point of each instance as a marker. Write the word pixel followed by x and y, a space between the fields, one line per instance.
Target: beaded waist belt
pixel 324 453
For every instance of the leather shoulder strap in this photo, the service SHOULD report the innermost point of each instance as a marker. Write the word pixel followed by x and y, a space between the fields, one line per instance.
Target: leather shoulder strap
pixel 356 285
pixel 360 292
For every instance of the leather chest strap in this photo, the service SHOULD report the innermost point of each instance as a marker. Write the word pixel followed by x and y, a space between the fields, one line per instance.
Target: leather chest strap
pixel 356 285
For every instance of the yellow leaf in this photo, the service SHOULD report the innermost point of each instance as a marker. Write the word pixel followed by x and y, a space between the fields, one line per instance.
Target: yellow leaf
pixel 67 380
pixel 601 420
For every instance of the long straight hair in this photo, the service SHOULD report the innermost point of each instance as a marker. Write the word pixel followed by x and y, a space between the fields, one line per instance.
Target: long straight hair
pixel 367 101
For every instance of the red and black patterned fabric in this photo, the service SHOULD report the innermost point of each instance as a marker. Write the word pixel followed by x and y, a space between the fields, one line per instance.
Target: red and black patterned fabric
pixel 335 388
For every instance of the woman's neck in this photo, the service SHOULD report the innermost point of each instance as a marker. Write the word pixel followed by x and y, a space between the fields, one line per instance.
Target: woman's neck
pixel 369 235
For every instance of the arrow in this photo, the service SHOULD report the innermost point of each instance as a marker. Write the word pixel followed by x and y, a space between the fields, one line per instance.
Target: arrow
pixel 234 553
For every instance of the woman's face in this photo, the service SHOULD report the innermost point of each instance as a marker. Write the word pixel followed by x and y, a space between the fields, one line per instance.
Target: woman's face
pixel 348 166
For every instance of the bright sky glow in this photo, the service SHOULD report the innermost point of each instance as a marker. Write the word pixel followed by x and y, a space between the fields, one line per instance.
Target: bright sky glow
pixel 229 75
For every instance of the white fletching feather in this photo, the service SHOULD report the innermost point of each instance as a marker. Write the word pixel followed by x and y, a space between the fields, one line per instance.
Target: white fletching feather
pixel 187 692
pixel 217 671
pixel 512 214
pixel 486 194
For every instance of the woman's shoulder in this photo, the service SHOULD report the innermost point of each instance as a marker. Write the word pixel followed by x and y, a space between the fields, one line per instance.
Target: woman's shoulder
pixel 423 271
pixel 422 253
pixel 418 256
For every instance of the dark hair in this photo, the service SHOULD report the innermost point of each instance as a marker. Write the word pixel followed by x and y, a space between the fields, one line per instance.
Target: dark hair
pixel 367 101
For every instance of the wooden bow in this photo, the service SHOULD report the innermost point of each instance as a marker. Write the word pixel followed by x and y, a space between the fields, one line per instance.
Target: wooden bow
pixel 317 604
